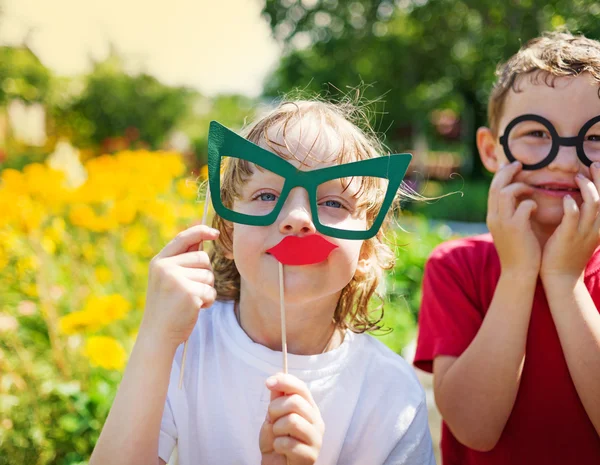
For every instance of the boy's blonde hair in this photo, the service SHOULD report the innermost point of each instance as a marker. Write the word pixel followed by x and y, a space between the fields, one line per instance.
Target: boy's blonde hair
pixel 352 310
pixel 554 54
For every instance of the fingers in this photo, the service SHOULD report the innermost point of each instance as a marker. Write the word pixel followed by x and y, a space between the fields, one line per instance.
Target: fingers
pixel 290 447
pixel 591 199
pixel 199 275
pixel 202 295
pixel 186 239
pixel 197 259
pixel 571 214
pixel 288 385
pixel 297 427
pixel 286 405
pixel 525 210
pixel 507 199
pixel 502 178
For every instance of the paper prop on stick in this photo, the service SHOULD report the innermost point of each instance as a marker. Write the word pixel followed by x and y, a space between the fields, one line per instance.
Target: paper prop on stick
pixel 333 193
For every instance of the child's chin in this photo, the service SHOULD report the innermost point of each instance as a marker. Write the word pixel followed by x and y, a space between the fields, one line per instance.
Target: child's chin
pixel 549 217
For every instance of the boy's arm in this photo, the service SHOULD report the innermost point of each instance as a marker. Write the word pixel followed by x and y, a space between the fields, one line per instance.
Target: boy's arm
pixel 476 391
pixel 488 372
pixel 130 434
pixel 578 325
pixel 577 321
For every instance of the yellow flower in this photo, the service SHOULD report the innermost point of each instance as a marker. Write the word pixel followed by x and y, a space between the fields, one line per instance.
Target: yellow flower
pixel 107 309
pixel 135 238
pixel 48 245
pixel 103 274
pixel 105 352
pixel 96 313
pixel 79 321
pixel 89 252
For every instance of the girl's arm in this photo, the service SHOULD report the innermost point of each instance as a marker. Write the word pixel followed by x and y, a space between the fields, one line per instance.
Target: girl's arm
pixel 180 283
pixel 130 434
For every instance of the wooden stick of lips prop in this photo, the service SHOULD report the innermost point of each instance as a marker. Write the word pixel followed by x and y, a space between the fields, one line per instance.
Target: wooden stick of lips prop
pixel 297 251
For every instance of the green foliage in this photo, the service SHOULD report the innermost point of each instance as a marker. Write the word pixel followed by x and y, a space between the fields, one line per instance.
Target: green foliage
pixel 413 244
pixel 232 111
pixel 115 104
pixel 22 76
pixel 455 200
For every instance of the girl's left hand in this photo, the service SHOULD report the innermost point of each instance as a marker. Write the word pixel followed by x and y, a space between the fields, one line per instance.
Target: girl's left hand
pixel 293 431
pixel 569 249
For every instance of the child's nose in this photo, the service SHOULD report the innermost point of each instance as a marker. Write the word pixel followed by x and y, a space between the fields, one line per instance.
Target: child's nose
pixel 566 160
pixel 295 216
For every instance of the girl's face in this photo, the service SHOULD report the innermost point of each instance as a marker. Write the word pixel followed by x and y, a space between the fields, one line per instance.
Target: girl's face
pixel 307 149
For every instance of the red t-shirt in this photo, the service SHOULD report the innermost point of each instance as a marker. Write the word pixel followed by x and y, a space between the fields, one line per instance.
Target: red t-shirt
pixel 548 424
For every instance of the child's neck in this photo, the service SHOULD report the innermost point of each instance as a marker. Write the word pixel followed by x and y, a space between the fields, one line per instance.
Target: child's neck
pixel 309 328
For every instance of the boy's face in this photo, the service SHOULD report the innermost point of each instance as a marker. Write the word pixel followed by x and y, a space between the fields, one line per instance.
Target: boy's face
pixel 259 269
pixel 568 105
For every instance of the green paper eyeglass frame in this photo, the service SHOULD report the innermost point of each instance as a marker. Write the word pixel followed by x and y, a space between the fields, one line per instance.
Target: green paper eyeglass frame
pixel 222 142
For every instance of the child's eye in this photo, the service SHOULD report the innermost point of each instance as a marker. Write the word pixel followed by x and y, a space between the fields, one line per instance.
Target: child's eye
pixel 538 133
pixel 265 197
pixel 593 137
pixel 332 203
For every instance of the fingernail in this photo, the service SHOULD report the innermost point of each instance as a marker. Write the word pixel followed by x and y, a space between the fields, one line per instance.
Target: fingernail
pixel 216 231
pixel 581 176
pixel 271 382
pixel 596 165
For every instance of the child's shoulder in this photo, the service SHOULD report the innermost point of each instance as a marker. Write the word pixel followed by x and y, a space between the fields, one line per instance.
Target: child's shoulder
pixel 465 251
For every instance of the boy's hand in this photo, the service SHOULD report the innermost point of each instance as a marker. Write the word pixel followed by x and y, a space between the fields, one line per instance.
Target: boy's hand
pixel 570 247
pixel 508 220
pixel 293 431
pixel 180 283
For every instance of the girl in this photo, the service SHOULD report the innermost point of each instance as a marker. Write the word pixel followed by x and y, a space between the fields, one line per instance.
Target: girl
pixel 347 398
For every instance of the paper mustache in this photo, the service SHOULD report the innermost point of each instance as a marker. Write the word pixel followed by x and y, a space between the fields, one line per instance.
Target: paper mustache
pixel 307 250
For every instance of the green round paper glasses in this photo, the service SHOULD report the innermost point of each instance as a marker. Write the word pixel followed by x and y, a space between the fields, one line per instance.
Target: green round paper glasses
pixel 334 192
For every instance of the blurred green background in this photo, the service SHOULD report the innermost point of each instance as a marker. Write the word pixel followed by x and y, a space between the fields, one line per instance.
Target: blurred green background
pixel 99 169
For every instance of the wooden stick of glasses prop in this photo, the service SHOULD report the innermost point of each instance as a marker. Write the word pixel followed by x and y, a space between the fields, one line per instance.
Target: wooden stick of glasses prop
pixel 200 247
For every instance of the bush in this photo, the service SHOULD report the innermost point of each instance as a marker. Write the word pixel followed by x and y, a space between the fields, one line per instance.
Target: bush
pixel 413 244
pixel 73 274
pixel 464 200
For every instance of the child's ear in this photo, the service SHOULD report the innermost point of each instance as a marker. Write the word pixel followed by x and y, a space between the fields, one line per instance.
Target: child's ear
pixel 487 146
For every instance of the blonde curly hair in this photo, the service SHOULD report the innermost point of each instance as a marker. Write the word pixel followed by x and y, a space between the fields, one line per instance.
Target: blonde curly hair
pixel 353 311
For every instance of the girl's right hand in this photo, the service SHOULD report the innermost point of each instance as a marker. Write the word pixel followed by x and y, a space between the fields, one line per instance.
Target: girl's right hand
pixel 509 222
pixel 180 283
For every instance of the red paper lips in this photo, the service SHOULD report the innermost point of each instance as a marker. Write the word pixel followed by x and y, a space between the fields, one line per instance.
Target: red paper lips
pixel 307 250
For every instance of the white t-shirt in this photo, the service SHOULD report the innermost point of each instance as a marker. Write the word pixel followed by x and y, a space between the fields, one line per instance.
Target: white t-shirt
pixel 369 398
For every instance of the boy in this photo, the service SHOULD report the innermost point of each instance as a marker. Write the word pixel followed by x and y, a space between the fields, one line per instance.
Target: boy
pixel 509 323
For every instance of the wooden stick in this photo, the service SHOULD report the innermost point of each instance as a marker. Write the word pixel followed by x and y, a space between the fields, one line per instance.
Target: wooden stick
pixel 282 308
pixel 200 247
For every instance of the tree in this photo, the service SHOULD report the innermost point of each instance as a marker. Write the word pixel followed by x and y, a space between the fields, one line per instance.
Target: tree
pixel 419 54
pixel 115 104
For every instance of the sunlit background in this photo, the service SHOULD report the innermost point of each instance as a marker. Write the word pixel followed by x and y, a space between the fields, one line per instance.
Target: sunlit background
pixel 104 111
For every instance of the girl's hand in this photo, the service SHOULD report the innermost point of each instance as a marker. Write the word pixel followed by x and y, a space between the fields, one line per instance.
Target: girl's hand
pixel 569 249
pixel 180 283
pixel 509 222
pixel 293 431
